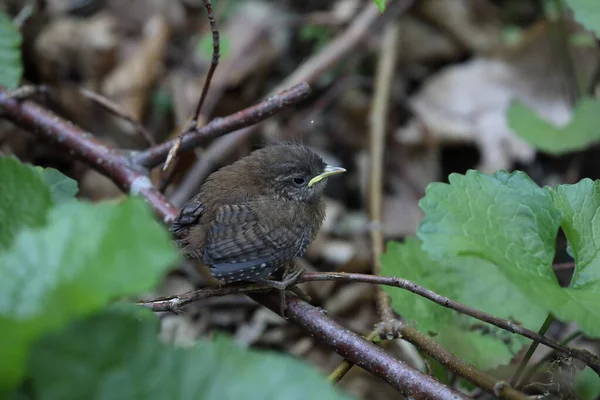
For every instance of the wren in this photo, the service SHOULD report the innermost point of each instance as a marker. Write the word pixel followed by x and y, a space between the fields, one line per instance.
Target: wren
pixel 253 217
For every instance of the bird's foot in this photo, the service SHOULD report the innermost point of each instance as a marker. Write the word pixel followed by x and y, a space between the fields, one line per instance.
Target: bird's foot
pixel 288 281
pixel 390 329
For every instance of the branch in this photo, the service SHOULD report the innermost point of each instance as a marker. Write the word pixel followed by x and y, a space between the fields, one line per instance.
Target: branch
pixel 219 126
pixel 84 146
pixel 193 125
pixel 588 358
pixel 410 382
pixel 131 178
pixel 342 369
pixel 453 363
pixel 378 129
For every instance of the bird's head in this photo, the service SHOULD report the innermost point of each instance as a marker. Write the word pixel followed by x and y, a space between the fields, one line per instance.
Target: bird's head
pixel 292 171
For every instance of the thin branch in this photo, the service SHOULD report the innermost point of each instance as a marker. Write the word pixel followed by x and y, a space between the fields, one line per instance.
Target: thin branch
pixel 193 125
pixel 378 124
pixel 175 303
pixel 453 363
pixel 84 146
pixel 588 358
pixel 532 348
pixel 345 366
pixel 548 357
pixel 115 109
pixel 408 381
pixel 152 157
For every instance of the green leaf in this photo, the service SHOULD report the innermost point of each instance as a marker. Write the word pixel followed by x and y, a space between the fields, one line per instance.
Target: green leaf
pixel 478 343
pixel 587 384
pixel 587 13
pixel 380 4
pixel 11 67
pixel 580 204
pixel 510 222
pixel 24 199
pixel 113 356
pixel 62 187
pixel 87 256
pixel 579 133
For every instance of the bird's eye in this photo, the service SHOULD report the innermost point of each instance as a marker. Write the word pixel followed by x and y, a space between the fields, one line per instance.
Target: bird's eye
pixel 299 181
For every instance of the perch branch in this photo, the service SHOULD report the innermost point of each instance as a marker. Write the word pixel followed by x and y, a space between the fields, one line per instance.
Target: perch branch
pixel 410 382
pixel 588 358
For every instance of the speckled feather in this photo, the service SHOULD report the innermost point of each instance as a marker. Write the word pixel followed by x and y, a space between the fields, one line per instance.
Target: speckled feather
pixel 249 219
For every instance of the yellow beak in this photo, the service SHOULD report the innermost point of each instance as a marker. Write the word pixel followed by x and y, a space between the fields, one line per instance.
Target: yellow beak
pixel 329 170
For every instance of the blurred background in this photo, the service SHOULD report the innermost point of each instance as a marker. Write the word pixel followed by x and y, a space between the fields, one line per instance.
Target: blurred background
pixel 458 66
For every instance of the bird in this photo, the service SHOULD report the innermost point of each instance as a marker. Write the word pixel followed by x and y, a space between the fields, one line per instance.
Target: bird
pixel 255 216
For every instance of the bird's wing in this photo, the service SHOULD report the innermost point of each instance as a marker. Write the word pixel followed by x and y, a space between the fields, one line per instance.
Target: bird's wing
pixel 238 241
pixel 189 215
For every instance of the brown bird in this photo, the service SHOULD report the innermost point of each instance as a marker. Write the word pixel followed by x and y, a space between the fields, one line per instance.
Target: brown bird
pixel 254 216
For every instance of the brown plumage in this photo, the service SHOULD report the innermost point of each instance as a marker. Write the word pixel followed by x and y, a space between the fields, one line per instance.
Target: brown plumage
pixel 252 217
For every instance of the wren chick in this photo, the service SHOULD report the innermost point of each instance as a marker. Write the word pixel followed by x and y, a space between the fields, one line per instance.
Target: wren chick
pixel 255 216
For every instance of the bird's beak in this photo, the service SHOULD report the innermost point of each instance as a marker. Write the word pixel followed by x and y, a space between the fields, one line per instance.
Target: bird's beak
pixel 329 170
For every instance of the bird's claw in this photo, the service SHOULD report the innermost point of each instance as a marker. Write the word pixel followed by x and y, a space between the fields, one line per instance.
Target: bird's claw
pixel 390 329
pixel 287 283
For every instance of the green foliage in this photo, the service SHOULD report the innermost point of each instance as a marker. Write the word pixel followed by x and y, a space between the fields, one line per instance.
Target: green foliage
pixel 11 67
pixel 24 199
pixel 62 259
pixel 579 133
pixel 61 187
pixel 580 204
pixel 127 361
pixel 489 242
pixel 470 282
pixel 380 4
pixel 587 384
pixel 587 12
pixel 86 256
pixel 510 222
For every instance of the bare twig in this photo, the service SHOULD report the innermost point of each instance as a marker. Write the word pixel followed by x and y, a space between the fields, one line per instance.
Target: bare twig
pixel 532 347
pixel 547 357
pixel 85 147
pixel 453 363
pixel 344 42
pixel 588 358
pixel 193 125
pixel 378 122
pixel 219 126
pixel 174 303
pixel 410 382
pixel 345 366
pixel 115 109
